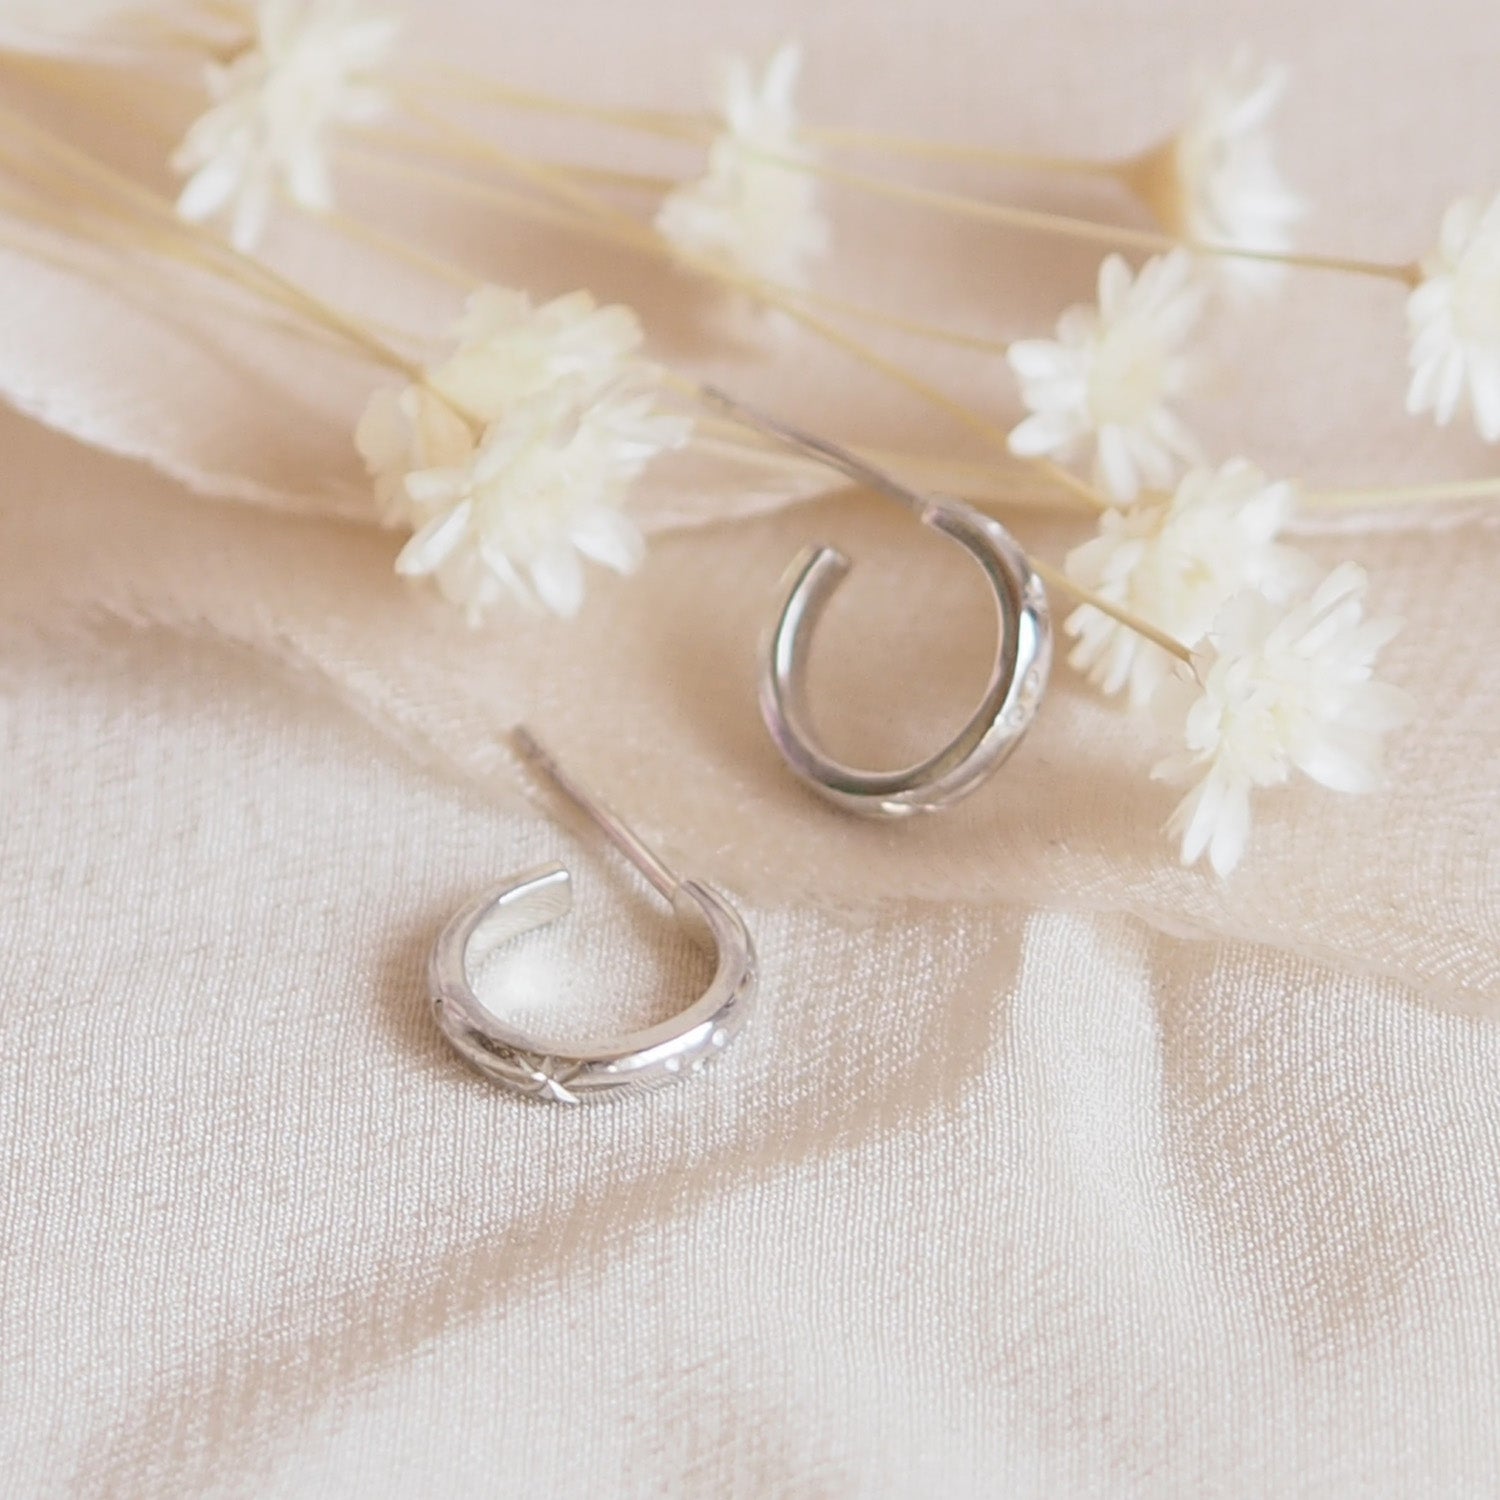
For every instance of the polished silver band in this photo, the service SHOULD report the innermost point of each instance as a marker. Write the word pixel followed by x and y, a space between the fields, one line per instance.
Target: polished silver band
pixel 573 1075
pixel 1018 676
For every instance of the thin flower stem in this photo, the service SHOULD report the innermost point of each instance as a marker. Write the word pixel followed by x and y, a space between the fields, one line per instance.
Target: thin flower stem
pixel 229 11
pixel 60 73
pixel 1443 492
pixel 251 273
pixel 607 177
pixel 444 81
pixel 64 202
pixel 355 228
pixel 552 180
pixel 830 333
pixel 1056 578
pixel 862 352
pixel 448 82
pixel 127 236
pixel 917 327
pixel 469 187
pixel 971 481
pixel 841 137
pixel 173 34
pixel 1039 221
pixel 698 126
pixel 398 249
pixel 653 183
pixel 639 233
pixel 728 440
pixel 965 481
pixel 701 127
pixel 110 228
pixel 73 257
pixel 1071 482
pixel 210 32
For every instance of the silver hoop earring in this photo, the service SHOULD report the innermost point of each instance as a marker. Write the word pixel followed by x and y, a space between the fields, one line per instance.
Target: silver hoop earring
pixel 1018 675
pixel 574 1075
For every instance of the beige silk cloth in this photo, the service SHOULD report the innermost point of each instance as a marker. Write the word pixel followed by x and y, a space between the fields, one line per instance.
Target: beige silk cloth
pixel 1045 1168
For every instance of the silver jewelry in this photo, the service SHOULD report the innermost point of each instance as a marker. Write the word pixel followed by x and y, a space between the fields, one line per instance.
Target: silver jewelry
pixel 1018 676
pixel 573 1075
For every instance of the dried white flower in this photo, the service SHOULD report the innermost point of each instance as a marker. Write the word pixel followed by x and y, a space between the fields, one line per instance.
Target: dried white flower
pixel 1174 561
pixel 513 460
pixel 403 431
pixel 1454 320
pixel 746 213
pixel 1106 382
pixel 508 349
pixel 1216 180
pixel 1276 692
pixel 310 67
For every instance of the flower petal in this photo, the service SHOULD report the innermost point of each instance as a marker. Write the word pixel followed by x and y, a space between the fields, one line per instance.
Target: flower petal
pixel 610 538
pixel 558 578
pixel 1231 830
pixel 1042 434
pixel 435 542
pixel 1114 466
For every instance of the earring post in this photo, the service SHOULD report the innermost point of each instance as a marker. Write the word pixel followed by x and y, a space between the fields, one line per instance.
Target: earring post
pixel 542 762
pixel 830 453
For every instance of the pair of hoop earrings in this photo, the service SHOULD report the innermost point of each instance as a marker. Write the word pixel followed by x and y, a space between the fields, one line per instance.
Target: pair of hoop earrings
pixel 689 1041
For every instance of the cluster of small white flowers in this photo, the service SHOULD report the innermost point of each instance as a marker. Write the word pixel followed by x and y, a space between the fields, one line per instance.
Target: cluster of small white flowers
pixel 1282 666
pixel 311 65
pixel 1283 675
pixel 1104 387
pixel 512 460
pixel 1216 180
pixel 1275 691
pixel 1172 560
pixel 749 212
pixel 1454 319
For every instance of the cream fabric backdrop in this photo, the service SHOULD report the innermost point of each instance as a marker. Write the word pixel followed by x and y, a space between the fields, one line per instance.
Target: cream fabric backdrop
pixel 1045 1169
